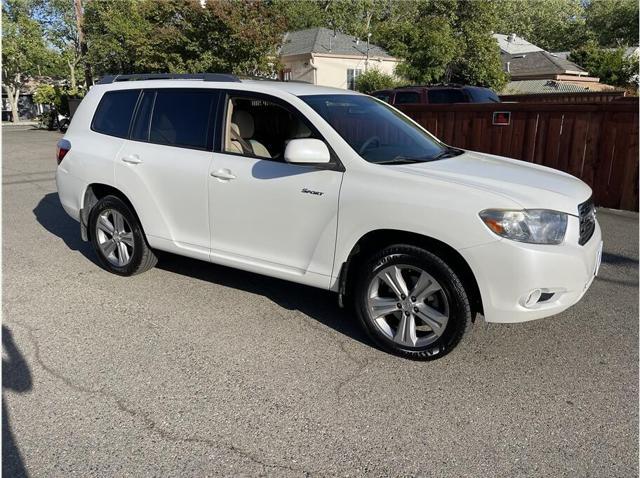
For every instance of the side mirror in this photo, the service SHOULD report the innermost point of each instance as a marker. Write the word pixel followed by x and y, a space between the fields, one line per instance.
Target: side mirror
pixel 306 151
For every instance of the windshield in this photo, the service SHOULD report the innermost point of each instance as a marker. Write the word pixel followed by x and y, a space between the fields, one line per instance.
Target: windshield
pixel 377 132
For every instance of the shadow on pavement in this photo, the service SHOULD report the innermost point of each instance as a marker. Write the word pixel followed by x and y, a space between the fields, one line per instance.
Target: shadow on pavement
pixel 16 377
pixel 618 260
pixel 318 304
pixel 53 218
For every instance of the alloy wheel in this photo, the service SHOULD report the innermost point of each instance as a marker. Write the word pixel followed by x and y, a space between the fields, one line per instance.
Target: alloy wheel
pixel 408 305
pixel 115 237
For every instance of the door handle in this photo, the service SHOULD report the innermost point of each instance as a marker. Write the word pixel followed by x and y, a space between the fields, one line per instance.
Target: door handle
pixel 132 159
pixel 223 174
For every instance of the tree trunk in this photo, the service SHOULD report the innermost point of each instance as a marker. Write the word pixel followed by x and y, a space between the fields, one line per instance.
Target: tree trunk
pixel 88 76
pixel 13 94
pixel 72 73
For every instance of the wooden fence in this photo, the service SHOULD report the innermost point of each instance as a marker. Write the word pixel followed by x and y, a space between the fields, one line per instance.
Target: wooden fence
pixel 584 97
pixel 596 142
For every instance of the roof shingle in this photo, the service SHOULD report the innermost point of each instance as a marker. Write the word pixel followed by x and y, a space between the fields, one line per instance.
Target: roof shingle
pixel 323 40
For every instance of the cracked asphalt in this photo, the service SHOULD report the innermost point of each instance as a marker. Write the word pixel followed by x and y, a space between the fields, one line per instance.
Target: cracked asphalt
pixel 193 369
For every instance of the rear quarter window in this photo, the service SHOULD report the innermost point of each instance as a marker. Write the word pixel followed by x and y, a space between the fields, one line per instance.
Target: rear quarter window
pixel 113 115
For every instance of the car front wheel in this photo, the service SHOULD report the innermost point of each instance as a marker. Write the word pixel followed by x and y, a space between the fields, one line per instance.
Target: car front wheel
pixel 412 303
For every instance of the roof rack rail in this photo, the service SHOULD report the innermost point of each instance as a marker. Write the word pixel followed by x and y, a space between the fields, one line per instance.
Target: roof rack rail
pixel 169 76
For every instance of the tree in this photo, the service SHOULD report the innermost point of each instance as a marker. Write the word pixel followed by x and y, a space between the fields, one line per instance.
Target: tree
pixel 24 52
pixel 374 80
pixel 613 22
pixel 612 66
pixel 129 36
pixel 554 25
pixel 452 41
pixel 58 21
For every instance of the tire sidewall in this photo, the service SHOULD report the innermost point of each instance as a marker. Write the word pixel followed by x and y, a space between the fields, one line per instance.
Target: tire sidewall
pixel 113 202
pixel 459 309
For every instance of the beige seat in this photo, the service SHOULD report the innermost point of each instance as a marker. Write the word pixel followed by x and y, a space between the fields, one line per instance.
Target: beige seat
pixel 242 129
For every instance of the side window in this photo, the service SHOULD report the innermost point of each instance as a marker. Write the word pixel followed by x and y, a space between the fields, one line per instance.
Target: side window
pixel 113 115
pixel 181 117
pixel 407 97
pixel 261 128
pixel 443 96
pixel 140 129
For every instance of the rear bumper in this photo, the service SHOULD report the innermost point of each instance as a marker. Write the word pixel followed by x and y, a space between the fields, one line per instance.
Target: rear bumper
pixel 70 191
pixel 508 271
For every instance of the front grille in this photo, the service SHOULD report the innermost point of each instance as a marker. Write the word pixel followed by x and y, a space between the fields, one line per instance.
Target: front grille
pixel 587 216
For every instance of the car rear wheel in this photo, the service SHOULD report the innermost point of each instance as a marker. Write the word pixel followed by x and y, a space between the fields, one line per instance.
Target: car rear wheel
pixel 412 303
pixel 118 239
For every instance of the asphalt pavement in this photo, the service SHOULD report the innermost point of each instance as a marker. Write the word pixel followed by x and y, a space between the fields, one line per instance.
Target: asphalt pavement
pixel 193 369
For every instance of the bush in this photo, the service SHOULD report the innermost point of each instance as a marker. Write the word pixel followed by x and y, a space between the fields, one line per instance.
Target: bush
pixel 374 80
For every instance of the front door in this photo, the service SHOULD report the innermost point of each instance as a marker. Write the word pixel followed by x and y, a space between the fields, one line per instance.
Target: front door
pixel 268 215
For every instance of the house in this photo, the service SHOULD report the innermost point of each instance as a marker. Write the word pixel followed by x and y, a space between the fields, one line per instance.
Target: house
pixel 534 70
pixel 329 58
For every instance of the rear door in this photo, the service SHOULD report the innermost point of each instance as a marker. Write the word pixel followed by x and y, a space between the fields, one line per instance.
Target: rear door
pixel 163 167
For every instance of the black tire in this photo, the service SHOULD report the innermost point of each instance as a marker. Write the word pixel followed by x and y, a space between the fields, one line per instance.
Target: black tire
pixel 142 257
pixel 459 309
pixel 64 125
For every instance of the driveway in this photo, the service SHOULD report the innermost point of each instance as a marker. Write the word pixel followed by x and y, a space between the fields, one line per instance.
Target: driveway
pixel 196 369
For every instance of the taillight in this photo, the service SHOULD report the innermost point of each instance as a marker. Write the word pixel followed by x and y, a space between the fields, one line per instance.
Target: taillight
pixel 63 147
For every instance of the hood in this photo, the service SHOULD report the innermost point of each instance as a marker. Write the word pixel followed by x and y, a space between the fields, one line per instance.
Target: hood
pixel 529 185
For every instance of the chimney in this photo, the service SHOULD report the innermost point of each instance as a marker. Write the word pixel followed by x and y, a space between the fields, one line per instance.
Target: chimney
pixel 512 38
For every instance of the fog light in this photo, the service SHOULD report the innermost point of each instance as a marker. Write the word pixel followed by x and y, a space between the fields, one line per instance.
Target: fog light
pixel 532 298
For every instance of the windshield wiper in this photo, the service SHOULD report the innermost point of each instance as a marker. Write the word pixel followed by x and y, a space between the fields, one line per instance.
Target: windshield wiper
pixel 403 160
pixel 448 153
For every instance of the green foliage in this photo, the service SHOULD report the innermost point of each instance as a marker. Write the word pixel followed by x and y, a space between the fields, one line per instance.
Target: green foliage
pixel 451 41
pixel 58 22
pixel 24 52
pixel 613 22
pixel 373 80
pixel 610 65
pixel 129 36
pixel 47 95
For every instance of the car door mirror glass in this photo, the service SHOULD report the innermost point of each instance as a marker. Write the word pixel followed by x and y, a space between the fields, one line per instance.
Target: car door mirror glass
pixel 307 151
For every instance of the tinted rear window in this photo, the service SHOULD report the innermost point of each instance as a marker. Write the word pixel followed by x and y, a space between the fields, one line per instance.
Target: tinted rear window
pixel 446 96
pixel 181 118
pixel 407 97
pixel 114 113
pixel 483 95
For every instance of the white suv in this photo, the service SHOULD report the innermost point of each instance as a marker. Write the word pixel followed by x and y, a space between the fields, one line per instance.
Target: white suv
pixel 328 188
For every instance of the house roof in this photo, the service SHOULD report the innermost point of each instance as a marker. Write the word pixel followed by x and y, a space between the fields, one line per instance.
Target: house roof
pixel 539 63
pixel 552 86
pixel 513 44
pixel 323 40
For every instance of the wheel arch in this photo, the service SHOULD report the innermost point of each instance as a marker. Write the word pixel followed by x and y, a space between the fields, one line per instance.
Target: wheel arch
pixel 93 194
pixel 378 239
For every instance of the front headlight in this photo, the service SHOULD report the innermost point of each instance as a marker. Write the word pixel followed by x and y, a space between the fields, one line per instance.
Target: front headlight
pixel 536 226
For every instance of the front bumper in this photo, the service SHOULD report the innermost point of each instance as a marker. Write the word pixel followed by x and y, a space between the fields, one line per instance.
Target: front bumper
pixel 507 272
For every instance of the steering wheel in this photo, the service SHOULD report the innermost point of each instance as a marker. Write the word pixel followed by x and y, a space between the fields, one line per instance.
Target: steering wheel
pixel 368 143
